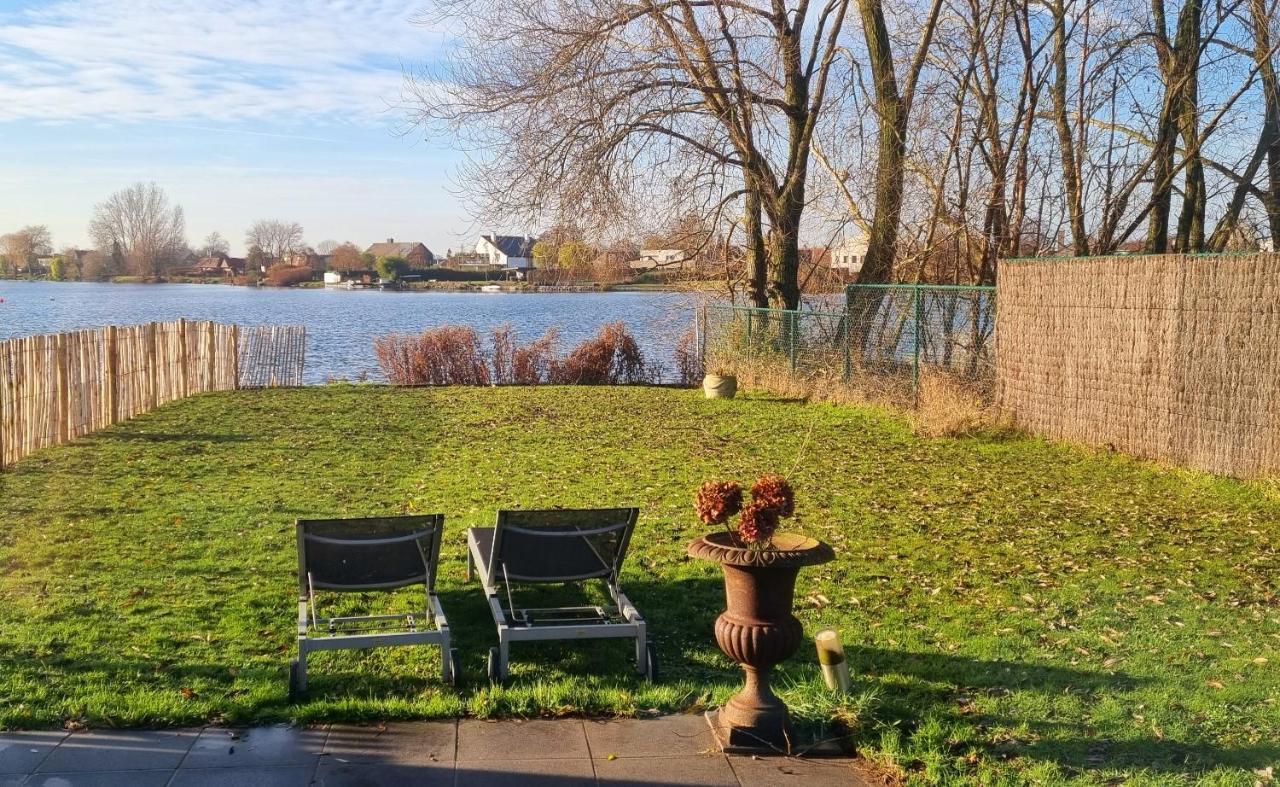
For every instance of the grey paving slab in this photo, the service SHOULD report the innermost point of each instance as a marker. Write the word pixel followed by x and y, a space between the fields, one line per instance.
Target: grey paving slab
pixel 526 773
pixel 665 736
pixel 222 747
pixel 118 750
pixel 706 770
pixel 375 774
pixel 393 743
pixel 770 771
pixel 21 752
pixel 260 776
pixel 152 778
pixel 540 739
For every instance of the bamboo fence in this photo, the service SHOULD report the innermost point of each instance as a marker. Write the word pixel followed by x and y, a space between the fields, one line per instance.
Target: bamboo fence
pixel 57 387
pixel 1167 357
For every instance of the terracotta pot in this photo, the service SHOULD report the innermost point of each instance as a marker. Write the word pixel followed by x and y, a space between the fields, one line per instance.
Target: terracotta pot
pixel 757 630
pixel 720 386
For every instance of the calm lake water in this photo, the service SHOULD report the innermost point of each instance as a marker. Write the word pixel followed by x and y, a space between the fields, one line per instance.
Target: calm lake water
pixel 342 324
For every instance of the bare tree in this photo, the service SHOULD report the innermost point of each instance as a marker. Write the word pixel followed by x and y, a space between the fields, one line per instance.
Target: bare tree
pixel 1262 14
pixel 275 238
pixel 589 107
pixel 141 222
pixel 893 104
pixel 326 246
pixel 25 246
pixel 214 244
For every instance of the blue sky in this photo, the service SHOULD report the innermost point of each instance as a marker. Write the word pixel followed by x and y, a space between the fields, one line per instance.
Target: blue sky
pixel 240 109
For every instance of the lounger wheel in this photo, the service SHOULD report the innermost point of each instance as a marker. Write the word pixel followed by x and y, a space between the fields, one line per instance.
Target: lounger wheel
pixel 295 681
pixel 455 666
pixel 650 661
pixel 496 673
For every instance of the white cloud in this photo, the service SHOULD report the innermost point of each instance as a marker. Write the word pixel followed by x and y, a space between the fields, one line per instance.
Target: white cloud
pixel 223 60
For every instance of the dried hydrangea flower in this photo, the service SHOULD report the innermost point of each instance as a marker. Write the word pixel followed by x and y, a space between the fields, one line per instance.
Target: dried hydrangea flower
pixel 758 524
pixel 774 492
pixel 716 501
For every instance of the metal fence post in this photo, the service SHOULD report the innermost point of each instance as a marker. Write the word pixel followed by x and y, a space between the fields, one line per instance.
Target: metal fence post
pixel 915 371
pixel 848 343
pixel 699 335
pixel 795 318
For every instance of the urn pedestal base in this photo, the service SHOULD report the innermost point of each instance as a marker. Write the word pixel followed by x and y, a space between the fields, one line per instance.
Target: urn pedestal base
pixel 735 740
pixel 757 630
pixel 749 740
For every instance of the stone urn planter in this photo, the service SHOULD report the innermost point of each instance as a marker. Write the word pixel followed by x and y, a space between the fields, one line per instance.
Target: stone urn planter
pixel 720 386
pixel 758 631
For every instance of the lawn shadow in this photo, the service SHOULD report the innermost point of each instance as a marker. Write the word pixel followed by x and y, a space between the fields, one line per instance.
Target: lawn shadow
pixel 942 684
pixel 984 675
pixel 1163 755
pixel 680 616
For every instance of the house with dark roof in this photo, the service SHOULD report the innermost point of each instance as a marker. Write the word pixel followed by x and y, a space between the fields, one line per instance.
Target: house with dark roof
pixel 418 255
pixel 507 251
pixel 219 265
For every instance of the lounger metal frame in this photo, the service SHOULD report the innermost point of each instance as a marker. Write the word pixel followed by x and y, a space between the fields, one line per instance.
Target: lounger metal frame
pixel 429 626
pixel 539 624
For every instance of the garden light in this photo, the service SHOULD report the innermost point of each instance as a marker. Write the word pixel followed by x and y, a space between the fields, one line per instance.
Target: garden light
pixel 835 670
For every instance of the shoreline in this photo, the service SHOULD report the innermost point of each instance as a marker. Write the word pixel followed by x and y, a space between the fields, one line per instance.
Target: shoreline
pixel 468 287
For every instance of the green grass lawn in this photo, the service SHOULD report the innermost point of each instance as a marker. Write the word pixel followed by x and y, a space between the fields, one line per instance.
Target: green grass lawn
pixel 1014 610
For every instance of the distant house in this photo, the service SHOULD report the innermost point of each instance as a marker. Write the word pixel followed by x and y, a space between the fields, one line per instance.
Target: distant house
pixel 220 265
pixel 850 254
pixel 417 254
pixel 662 259
pixel 307 258
pixel 507 251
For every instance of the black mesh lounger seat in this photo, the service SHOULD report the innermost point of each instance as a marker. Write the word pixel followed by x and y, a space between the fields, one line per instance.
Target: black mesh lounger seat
pixel 364 555
pixel 557 546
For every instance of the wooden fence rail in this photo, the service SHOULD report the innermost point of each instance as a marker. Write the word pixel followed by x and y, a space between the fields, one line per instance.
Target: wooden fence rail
pixel 56 387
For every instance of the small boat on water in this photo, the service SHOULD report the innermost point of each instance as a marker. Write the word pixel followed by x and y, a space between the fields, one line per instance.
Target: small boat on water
pixel 491 288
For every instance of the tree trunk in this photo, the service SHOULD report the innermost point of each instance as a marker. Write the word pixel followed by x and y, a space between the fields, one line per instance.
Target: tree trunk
pixel 1066 142
pixel 891 115
pixel 1177 65
pixel 784 251
pixel 757 256
pixel 1194 196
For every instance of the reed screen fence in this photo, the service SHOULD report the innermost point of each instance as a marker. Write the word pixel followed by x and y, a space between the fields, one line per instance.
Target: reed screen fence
pixel 1168 357
pixel 57 387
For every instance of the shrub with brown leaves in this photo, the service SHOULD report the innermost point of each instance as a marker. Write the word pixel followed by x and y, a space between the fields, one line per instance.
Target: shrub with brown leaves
pixel 716 501
pixel 448 355
pixel 288 275
pixel 609 358
pixel 517 364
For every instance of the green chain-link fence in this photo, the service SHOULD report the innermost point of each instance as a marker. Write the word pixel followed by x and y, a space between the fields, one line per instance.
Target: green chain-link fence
pixel 887 344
